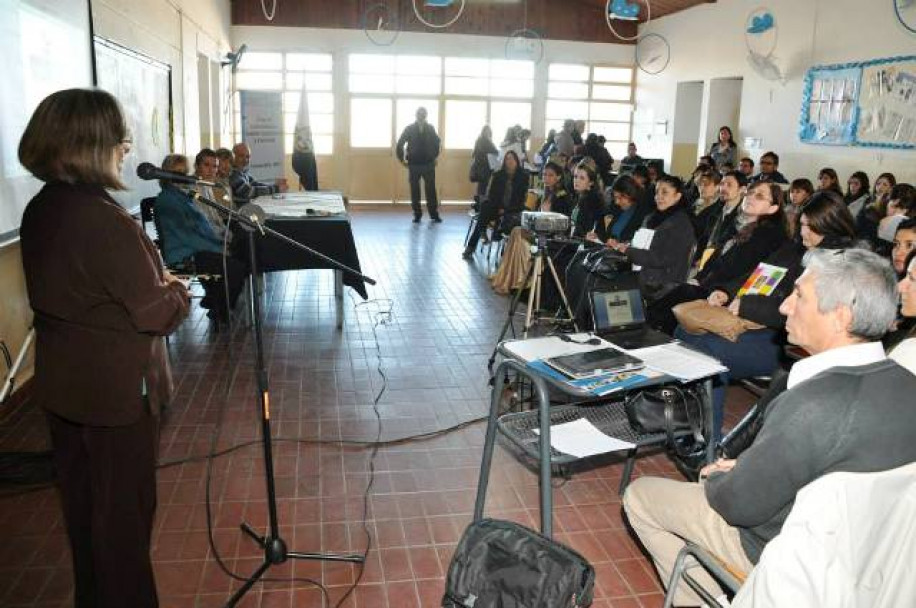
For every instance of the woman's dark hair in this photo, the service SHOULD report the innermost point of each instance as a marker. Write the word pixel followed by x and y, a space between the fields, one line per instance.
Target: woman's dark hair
pixel 555 167
pixel 862 177
pixel 779 199
pixel 72 137
pixel 802 183
pixel 905 195
pixel 829 216
pixel 627 186
pixel 518 163
pixel 731 138
pixel 672 180
pixel 833 176
pixel 892 180
pixel 640 171
pixel 588 165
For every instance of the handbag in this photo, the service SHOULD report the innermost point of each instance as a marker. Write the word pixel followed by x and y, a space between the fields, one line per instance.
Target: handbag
pixel 699 317
pixel 605 262
pixel 670 409
pixel 504 564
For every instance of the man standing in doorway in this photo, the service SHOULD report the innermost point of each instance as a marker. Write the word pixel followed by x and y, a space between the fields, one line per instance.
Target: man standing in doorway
pixel 420 159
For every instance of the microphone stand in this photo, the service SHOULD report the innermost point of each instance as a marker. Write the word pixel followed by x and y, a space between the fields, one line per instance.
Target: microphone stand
pixel 251 216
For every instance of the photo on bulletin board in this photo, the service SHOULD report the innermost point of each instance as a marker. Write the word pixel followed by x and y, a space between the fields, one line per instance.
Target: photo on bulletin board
pixel 868 103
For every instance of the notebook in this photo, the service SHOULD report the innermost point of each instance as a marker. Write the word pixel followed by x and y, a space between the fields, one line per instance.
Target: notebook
pixel 620 318
pixel 594 362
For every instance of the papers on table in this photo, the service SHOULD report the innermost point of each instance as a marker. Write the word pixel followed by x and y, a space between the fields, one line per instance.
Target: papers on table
pixel 581 438
pixel 301 204
pixel 679 361
pixel 551 346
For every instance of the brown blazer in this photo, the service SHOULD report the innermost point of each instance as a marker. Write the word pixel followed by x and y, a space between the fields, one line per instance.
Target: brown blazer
pixel 95 283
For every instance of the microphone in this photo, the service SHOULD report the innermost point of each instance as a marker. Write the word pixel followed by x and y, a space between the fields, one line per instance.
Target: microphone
pixel 150 171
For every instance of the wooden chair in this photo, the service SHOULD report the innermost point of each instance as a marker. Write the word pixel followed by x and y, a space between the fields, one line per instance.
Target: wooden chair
pixel 729 577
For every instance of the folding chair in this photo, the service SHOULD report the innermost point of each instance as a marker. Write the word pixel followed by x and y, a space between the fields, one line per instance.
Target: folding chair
pixel 728 576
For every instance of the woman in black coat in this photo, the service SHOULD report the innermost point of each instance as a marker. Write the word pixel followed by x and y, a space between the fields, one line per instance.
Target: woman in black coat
pixel 505 196
pixel 589 203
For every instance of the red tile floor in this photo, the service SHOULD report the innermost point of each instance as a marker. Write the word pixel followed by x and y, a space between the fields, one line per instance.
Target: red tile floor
pixel 433 352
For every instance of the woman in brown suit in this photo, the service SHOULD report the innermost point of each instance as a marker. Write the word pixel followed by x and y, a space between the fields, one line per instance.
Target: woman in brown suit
pixel 101 303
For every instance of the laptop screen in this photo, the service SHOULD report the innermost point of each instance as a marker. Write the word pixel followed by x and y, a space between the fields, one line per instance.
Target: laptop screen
pixel 617 309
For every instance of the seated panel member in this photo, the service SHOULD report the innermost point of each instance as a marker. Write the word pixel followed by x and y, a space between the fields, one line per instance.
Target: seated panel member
pixel 244 186
pixel 188 239
pixel 846 408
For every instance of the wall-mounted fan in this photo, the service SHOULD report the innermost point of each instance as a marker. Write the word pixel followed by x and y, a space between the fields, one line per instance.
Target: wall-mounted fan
pixel 761 36
pixel 381 25
pixel 624 10
pixel 233 59
pixel 653 53
pixel 438 4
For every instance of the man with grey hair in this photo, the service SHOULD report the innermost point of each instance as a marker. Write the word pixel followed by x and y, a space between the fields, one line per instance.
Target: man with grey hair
pixel 846 407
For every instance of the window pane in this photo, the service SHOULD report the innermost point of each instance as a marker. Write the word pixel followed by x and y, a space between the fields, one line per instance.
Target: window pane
pixel 463 66
pixel 321 123
pixel 611 91
pixel 567 71
pixel 371 83
pixel 370 123
pixel 407 110
pixel 504 114
pixel 618 149
pixel 261 61
pixel 619 131
pixel 314 81
pixel 419 65
pixel 463 122
pixel 568 90
pixel 291 101
pixel 259 80
pixel 322 103
pixel 613 75
pixel 289 123
pixel 324 144
pixel 460 85
pixel 372 64
pixel 562 110
pixel 317 62
pixel 509 68
pixel 423 85
pixel 505 87
pixel 554 123
pixel 611 111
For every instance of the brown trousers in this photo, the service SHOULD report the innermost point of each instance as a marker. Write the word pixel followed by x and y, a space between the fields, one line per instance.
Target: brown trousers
pixel 107 481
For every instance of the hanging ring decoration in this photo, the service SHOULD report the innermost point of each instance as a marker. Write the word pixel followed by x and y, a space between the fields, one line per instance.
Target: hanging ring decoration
pixel 273 11
pixel 386 22
pixel 529 36
pixel 758 23
pixel 438 26
pixel 649 65
pixel 607 19
pixel 898 4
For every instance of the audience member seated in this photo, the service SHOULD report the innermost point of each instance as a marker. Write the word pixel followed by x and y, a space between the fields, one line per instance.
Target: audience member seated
pixel 624 214
pixel 632 159
pixel 827 179
pixel 707 208
pixel 244 186
pixel 692 186
pixel 594 149
pixel 874 212
pixel 746 166
pixel 724 151
pixel 761 230
pixel 846 408
pixel 825 224
pixel 904 243
pixel 857 196
pixel 769 170
pixel 206 164
pixel 513 268
pixel 666 261
pixel 903 351
pixel 724 222
pixel 189 241
pixel 505 201
pixel 589 203
pixel 900 206
pixel 655 171
pixel 223 191
pixel 800 190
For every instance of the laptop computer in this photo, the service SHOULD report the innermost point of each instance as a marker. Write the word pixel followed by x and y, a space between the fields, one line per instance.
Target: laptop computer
pixel 620 318
pixel 594 362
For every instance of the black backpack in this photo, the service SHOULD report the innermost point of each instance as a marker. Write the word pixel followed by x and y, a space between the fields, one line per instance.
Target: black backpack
pixel 502 564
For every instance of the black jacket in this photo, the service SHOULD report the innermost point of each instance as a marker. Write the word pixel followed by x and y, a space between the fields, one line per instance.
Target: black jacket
pixel 561 201
pixel 589 208
pixel 855 419
pixel 422 148
pixel 667 261
pixel 704 222
pixel 497 190
pixel 732 264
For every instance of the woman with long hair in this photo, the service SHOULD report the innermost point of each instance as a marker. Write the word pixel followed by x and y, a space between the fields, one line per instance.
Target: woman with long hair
pixel 870 217
pixel 904 350
pixel 102 304
pixel 504 203
pixel 827 179
pixel 825 223
pixel 857 196
pixel 590 205
pixel 480 163
pixel 724 151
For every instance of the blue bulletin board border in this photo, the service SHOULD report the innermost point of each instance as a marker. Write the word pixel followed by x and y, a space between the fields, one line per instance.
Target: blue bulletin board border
pixel 814 128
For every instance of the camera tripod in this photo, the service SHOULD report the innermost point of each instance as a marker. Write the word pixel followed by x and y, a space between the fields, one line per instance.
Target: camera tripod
pixel 535 280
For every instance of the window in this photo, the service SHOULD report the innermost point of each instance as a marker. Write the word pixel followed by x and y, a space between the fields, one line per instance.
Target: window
pixel 599 95
pixel 504 114
pixel 489 78
pixel 288 72
pixel 406 113
pixel 370 122
pixel 463 121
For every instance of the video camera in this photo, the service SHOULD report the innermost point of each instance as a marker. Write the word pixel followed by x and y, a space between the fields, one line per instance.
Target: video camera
pixel 545 222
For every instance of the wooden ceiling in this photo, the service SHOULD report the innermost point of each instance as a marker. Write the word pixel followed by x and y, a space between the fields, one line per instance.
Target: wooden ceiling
pixel 579 20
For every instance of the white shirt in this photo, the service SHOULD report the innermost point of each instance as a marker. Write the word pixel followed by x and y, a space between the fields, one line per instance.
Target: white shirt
pixel 905 354
pixel 854 355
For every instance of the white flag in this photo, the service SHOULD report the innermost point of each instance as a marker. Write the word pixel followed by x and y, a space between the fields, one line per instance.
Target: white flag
pixel 303 133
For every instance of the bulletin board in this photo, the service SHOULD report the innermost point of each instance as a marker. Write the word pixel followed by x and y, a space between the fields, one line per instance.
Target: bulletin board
pixel 869 103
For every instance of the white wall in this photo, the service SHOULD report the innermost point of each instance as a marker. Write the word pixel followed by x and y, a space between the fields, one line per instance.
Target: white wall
pixel 379 172
pixel 707 41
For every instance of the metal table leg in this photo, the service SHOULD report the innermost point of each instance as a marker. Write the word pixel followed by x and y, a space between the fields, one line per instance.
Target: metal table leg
pixel 338 297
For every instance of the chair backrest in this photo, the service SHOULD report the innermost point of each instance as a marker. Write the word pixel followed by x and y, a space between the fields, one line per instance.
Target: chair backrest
pixel 849 542
pixel 148 218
